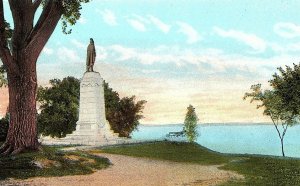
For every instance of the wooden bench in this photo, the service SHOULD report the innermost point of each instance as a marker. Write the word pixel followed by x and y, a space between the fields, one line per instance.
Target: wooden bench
pixel 176 134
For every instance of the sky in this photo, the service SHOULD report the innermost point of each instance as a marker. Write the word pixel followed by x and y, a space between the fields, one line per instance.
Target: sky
pixel 173 53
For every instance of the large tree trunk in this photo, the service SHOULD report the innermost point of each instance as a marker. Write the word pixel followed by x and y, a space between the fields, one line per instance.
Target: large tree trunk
pixel 28 40
pixel 27 43
pixel 22 132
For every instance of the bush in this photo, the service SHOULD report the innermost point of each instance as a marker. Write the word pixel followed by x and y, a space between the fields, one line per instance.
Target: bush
pixel 4 122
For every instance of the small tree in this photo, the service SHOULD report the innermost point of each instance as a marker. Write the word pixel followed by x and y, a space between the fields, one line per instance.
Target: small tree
pixel 275 108
pixel 282 103
pixel 190 124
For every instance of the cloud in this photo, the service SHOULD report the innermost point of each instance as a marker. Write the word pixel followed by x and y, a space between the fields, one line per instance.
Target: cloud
pixel 101 53
pixel 201 62
pixel 287 30
pixel 108 17
pixel 285 48
pixel 256 43
pixel 137 25
pixel 48 51
pixel 68 55
pixel 122 53
pixel 143 56
pixel 191 34
pixel 216 71
pixel 141 19
pixel 165 28
pixel 78 44
pixel 160 54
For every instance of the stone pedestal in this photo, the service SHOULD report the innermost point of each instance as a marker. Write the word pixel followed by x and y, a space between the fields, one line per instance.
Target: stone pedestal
pixel 91 106
pixel 92 127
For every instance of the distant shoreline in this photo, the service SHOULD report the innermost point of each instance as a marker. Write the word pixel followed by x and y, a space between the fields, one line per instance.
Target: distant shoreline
pixel 209 124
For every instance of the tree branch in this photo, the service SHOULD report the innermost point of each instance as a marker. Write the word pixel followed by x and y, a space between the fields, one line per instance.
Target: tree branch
pixel 279 134
pixel 284 130
pixel 23 15
pixel 36 4
pixel 276 126
pixel 44 27
pixel 43 17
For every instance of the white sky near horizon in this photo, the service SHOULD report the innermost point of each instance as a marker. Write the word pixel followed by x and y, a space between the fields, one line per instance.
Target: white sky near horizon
pixel 174 53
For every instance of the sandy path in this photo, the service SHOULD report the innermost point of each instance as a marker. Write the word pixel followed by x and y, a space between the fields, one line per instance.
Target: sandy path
pixel 141 171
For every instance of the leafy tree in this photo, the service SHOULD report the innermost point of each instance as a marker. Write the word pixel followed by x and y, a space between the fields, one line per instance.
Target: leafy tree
pixel 190 124
pixel 27 41
pixel 124 117
pixel 279 103
pixel 59 107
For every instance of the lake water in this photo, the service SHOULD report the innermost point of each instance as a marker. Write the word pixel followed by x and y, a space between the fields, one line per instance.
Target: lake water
pixel 240 139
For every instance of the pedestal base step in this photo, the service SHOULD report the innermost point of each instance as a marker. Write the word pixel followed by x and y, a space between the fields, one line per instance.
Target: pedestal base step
pixel 83 140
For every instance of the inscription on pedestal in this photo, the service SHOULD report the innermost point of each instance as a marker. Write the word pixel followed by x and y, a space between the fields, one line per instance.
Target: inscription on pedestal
pixel 91 106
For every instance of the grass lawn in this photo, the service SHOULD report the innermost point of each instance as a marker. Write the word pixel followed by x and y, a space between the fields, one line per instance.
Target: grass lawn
pixel 258 170
pixel 264 170
pixel 50 161
pixel 178 152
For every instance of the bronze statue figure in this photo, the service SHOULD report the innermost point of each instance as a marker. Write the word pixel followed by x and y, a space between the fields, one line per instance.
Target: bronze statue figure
pixel 91 56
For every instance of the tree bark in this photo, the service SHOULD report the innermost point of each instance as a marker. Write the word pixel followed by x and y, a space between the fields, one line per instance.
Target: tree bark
pixel 282 150
pixel 22 132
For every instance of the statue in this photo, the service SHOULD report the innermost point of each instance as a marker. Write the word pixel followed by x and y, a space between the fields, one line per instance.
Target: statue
pixel 91 56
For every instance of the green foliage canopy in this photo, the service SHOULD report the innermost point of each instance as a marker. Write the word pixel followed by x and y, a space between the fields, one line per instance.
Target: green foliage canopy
pixel 272 103
pixel 59 107
pixel 190 124
pixel 71 13
pixel 125 117
pixel 287 86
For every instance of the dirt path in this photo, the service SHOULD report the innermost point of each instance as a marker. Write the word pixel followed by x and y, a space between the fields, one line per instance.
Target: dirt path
pixel 141 171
